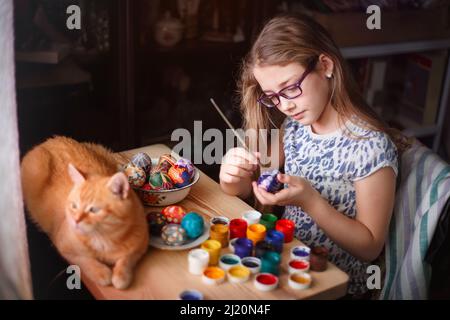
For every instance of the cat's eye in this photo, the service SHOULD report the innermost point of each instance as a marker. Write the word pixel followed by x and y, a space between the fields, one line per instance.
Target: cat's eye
pixel 94 209
pixel 74 205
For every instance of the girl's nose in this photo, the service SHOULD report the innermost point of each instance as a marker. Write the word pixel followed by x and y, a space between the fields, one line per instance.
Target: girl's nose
pixel 286 105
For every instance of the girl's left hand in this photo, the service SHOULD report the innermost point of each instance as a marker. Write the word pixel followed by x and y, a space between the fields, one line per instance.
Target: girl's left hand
pixel 298 192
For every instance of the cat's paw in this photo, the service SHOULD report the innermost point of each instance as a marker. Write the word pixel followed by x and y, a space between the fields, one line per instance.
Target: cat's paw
pixel 103 276
pixel 121 280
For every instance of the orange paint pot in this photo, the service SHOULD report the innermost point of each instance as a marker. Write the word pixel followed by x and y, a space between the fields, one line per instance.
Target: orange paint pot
pixel 238 274
pixel 256 232
pixel 213 247
pixel 300 280
pixel 219 232
pixel 213 275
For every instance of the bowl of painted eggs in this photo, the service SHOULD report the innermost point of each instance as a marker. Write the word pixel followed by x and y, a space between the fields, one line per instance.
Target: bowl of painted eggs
pixel 163 181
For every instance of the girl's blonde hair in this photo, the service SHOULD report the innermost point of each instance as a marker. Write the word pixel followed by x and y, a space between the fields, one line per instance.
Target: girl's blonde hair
pixel 298 38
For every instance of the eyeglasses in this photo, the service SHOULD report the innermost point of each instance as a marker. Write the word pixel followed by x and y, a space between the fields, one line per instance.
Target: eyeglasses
pixel 290 92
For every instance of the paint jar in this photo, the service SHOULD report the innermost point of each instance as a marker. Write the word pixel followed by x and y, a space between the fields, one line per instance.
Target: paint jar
pixel 300 280
pixel 256 232
pixel 275 239
pixel 252 263
pixel 265 281
pixel 231 244
pixel 220 220
pixel 301 252
pixel 287 227
pixel 268 220
pixel 198 260
pixel 251 217
pixel 238 274
pixel 238 228
pixel 213 247
pixel 261 248
pixel 296 265
pixel 219 232
pixel 213 275
pixel 228 261
pixel 318 259
pixel 191 295
pixel 270 263
pixel 243 247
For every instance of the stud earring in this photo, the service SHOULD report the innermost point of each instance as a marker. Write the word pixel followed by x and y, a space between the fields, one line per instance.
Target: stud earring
pixel 329 75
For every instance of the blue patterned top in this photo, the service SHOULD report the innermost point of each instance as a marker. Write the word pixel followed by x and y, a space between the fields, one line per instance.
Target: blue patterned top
pixel 331 163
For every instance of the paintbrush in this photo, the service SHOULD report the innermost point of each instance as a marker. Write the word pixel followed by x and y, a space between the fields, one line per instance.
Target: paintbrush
pixel 257 172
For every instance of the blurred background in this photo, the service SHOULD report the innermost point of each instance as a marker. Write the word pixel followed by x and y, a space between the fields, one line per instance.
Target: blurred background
pixel 137 70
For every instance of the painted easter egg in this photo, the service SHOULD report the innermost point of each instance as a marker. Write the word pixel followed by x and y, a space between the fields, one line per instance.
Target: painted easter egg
pixel 269 182
pixel 136 176
pixel 173 235
pixel 187 165
pixel 174 214
pixel 159 180
pixel 166 161
pixel 193 224
pixel 156 221
pixel 179 176
pixel 143 161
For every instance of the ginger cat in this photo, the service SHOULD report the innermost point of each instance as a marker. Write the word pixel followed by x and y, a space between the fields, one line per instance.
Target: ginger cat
pixel 73 192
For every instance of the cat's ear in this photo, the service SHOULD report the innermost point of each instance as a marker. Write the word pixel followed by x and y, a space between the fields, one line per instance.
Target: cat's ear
pixel 118 184
pixel 75 175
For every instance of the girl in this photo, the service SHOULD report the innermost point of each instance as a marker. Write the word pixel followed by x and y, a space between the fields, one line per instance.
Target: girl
pixel 340 160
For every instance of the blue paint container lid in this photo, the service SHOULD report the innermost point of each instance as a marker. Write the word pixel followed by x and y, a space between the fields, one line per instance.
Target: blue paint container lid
pixel 191 295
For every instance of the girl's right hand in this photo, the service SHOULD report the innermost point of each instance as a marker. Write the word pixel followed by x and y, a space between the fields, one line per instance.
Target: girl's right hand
pixel 238 165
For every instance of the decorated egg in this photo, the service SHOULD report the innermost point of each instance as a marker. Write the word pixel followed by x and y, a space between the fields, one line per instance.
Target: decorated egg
pixel 187 165
pixel 173 234
pixel 269 182
pixel 179 176
pixel 174 214
pixel 156 221
pixel 166 161
pixel 193 224
pixel 136 176
pixel 143 161
pixel 159 180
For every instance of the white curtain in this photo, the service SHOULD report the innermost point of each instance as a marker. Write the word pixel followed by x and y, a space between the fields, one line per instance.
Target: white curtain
pixel 15 279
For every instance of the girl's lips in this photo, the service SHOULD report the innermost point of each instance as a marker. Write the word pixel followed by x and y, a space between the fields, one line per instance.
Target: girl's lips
pixel 298 116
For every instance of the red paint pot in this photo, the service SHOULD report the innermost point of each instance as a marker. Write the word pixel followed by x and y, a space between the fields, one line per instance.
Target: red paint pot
pixel 287 227
pixel 238 228
pixel 266 281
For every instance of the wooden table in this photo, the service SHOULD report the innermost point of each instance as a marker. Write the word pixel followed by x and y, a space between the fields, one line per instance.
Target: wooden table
pixel 164 274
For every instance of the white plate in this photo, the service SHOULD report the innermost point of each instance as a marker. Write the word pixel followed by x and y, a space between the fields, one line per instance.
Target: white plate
pixel 157 242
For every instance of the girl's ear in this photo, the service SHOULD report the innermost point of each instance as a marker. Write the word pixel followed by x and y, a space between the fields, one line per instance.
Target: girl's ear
pixel 75 175
pixel 326 66
pixel 118 184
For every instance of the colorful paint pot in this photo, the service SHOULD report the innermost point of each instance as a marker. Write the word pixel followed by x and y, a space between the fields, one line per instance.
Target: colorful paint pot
pixel 296 265
pixel 227 261
pixel 275 239
pixel 238 274
pixel 256 232
pixel 213 247
pixel 300 280
pixel 301 252
pixel 266 281
pixel 213 275
pixel 252 263
pixel 318 259
pixel 220 220
pixel 287 227
pixel 270 262
pixel 238 228
pixel 191 295
pixel 268 220
pixel 261 248
pixel 251 217
pixel 198 260
pixel 243 247
pixel 219 232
